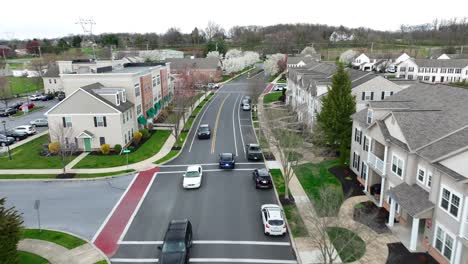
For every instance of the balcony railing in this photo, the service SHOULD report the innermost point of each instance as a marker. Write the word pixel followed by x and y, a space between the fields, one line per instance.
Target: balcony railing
pixel 375 162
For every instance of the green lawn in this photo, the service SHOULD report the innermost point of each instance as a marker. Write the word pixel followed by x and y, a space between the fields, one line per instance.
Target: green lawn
pixel 101 262
pixel 98 175
pixel 15 66
pixel 21 85
pixel 147 150
pixel 21 113
pixel 225 78
pixel 281 81
pixel 349 245
pixel 63 239
pixel 28 156
pixel 460 84
pixel 314 177
pixel 53 176
pixel 273 77
pixel 30 258
pixel 272 97
pixel 169 156
pixel 295 221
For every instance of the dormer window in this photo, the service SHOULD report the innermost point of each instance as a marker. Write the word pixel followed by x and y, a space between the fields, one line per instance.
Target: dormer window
pixel 370 116
pixel 124 96
pixel 117 99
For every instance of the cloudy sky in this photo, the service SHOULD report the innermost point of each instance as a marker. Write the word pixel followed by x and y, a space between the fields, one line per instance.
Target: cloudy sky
pixel 54 18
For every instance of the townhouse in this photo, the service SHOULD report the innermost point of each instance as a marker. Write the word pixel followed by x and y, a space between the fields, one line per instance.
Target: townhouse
pixel 434 71
pixel 134 93
pixel 409 152
pixel 306 88
pixel 302 61
pixel 378 62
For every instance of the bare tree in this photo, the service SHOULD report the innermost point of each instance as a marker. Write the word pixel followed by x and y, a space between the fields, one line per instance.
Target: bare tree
pixel 214 30
pixel 255 88
pixel 6 94
pixel 63 143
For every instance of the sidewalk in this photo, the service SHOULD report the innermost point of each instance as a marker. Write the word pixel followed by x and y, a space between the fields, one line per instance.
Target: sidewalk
pixel 56 254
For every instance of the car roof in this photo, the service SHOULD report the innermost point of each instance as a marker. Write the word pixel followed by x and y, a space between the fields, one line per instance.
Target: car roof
pixel 263 172
pixel 204 125
pixel 254 145
pixel 193 168
pixel 227 154
pixel 176 229
pixel 274 211
pixel 23 126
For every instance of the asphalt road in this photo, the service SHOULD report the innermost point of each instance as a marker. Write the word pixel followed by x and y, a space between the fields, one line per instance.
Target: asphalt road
pixel 225 211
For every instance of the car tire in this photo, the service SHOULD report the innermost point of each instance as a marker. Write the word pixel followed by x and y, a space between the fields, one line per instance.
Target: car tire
pixel 256 186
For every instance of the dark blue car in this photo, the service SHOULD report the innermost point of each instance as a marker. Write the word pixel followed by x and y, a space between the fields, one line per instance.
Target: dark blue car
pixel 227 161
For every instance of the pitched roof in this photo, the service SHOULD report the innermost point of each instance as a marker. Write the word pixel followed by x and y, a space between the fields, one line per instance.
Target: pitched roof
pixel 197 63
pixel 457 56
pixel 93 90
pixel 412 198
pixel 446 145
pixel 52 71
pixel 455 63
pixel 376 81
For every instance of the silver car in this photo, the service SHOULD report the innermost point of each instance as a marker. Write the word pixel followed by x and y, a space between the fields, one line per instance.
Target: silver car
pixel 40 122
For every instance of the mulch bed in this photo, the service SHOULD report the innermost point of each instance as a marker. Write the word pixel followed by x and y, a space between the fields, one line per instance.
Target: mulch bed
pixel 268 156
pixel 349 183
pixel 132 147
pixel 399 254
pixel 66 176
pixel 284 201
pixel 372 216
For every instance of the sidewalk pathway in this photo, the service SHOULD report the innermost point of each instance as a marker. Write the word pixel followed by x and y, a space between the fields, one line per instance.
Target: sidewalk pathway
pixel 56 254
pixel 28 139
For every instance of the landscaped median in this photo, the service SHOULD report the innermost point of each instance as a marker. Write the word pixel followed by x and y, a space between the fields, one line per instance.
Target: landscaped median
pixel 185 131
pixel 63 239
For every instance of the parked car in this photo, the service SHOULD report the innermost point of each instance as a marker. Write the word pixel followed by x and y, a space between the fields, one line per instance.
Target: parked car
pixel 28 129
pixel 35 97
pixel 262 178
pixel 246 106
pixel 193 177
pixel 227 161
pixel 47 97
pixel 61 96
pixel 7 112
pixel 40 122
pixel 17 135
pixel 6 141
pixel 279 87
pixel 273 220
pixel 204 131
pixel 29 106
pixel 246 100
pixel 17 105
pixel 254 152
pixel 177 243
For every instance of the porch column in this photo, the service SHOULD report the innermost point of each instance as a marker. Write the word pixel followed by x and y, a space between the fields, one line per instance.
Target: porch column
pixel 391 217
pixel 366 184
pixel 458 252
pixel 414 234
pixel 382 188
pixel 385 161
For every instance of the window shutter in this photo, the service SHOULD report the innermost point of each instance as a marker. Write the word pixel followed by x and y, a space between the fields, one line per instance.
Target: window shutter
pixel 372 96
pixel 105 122
pixel 95 122
pixel 383 95
pixel 360 137
pixel 363 96
pixel 364 145
pixel 355 134
pixel 64 122
pixel 358 162
pixel 391 93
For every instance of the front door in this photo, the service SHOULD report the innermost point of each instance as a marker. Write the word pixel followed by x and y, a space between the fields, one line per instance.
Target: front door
pixel 87 144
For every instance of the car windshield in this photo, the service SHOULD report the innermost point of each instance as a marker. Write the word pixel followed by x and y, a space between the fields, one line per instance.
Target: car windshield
pixel 192 174
pixel 204 129
pixel 245 101
pixel 173 246
pixel 226 157
pixel 276 222
pixel 254 148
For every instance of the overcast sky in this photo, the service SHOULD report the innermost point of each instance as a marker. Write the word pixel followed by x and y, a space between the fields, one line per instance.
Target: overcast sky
pixel 52 18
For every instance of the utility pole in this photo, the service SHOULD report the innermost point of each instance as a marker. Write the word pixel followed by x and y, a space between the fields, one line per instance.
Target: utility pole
pixel 372 48
pixel 40 53
pixel 147 46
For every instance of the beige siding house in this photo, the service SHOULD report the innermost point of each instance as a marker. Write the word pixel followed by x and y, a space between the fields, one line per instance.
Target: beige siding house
pixel 94 115
pixel 410 153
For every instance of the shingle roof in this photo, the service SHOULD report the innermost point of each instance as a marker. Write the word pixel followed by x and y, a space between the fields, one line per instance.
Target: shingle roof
pixel 360 117
pixel 52 71
pixel 455 63
pixel 455 175
pixel 376 81
pixel 412 198
pixel 386 134
pixel 457 56
pixel 446 145
pixel 197 63
pixel 124 106
pixel 306 59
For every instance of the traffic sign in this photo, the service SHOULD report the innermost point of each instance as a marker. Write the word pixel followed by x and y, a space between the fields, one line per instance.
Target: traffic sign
pixel 126 151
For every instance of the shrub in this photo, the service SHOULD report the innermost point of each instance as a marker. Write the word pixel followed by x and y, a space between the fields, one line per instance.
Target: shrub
pixel 145 133
pixel 117 148
pixel 137 137
pixel 105 149
pixel 162 116
pixel 54 147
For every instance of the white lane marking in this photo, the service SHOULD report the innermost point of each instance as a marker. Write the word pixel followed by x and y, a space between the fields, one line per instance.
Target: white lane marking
pixel 130 260
pixel 240 128
pixel 211 242
pixel 205 164
pixel 129 223
pixel 113 209
pixel 243 169
pixel 234 125
pixel 201 118
pixel 239 260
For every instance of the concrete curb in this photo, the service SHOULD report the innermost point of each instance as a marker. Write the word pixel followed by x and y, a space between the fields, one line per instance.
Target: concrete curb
pixel 190 130
pixel 104 257
pixel 68 180
pixel 291 237
pixel 235 76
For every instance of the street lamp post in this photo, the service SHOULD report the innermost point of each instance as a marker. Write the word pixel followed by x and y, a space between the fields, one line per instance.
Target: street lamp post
pixel 8 146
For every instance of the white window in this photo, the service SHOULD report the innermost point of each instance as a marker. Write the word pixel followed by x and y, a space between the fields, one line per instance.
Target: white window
pixel 421 175
pixel 158 79
pixel 429 179
pixel 137 89
pixel 356 160
pixel 458 70
pixel 364 171
pixel 443 242
pixel 450 70
pixel 100 121
pixel 450 202
pixel 443 70
pixel 124 96
pixel 397 166
pixel 386 94
pixel 117 98
pixel 55 80
pixel 67 121
pixel 370 115
pixel 50 81
pixel 367 141
pixel 357 135
pixel 154 81
pixel 367 96
pixel 426 78
pixel 138 109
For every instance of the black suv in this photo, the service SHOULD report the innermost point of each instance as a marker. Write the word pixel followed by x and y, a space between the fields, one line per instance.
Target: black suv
pixel 227 161
pixel 177 242
pixel 204 131
pixel 7 112
pixel 262 179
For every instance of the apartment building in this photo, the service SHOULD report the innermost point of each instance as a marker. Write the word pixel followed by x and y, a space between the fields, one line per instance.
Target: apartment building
pixel 409 152
pixel 434 71
pixel 378 61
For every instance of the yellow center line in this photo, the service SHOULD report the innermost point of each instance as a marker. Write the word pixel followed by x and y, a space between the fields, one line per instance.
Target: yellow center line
pixel 213 142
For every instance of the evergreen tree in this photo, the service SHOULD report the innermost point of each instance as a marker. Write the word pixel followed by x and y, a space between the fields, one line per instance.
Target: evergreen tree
pixel 334 121
pixel 76 41
pixel 10 232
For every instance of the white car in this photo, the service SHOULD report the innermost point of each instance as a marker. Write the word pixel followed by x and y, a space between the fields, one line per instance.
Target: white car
pixel 279 87
pixel 273 220
pixel 35 97
pixel 193 177
pixel 26 129
pixel 246 107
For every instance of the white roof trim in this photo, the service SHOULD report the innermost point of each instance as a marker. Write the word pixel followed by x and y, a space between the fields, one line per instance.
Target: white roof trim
pixel 84 135
pixel 61 102
pixel 101 100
